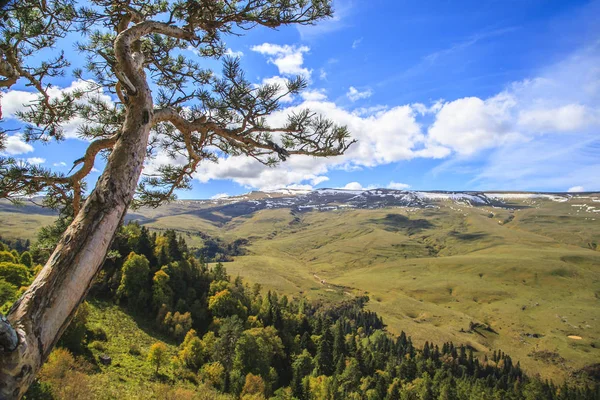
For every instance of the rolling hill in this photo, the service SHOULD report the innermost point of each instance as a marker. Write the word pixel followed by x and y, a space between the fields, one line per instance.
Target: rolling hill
pixel 496 270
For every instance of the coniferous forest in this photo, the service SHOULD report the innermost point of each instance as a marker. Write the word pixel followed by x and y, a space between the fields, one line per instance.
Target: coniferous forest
pixel 240 341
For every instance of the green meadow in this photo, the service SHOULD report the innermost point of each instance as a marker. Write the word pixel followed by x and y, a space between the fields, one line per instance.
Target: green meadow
pixel 521 279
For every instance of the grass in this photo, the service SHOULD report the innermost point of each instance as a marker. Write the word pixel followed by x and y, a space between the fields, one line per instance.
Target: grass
pixel 510 276
pixel 129 375
pixel 429 272
pixel 17 225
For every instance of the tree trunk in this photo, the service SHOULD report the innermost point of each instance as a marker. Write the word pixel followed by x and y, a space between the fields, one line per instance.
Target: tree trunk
pixel 41 315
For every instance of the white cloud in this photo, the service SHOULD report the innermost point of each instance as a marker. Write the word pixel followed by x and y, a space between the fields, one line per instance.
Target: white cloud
pixel 15 145
pixel 367 111
pixel 576 189
pixel 16 100
pixel 220 196
pixel 471 124
pixel 229 52
pixel 567 118
pixel 288 59
pixel 60 164
pixel 322 74
pixel 541 132
pixel 232 53
pixel 250 173
pixel 354 94
pixel 385 137
pixel 353 186
pixel 397 186
pixel 313 95
pixel 36 160
pixel 509 124
pixel 424 110
pixel 282 82
pixel 356 43
pixel 358 186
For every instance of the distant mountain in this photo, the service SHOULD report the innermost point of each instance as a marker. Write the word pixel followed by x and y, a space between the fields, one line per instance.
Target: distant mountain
pixel 222 209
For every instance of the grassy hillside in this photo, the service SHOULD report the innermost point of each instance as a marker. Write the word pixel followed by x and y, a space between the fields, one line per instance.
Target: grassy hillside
pixel 433 272
pixel 129 375
pixel 521 278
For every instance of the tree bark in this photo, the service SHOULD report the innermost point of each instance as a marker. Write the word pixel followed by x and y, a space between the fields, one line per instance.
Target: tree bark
pixel 41 315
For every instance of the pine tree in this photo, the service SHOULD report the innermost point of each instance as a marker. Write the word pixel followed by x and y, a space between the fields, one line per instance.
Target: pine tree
pixel 145 247
pixel 174 251
pixel 339 342
pixel 324 357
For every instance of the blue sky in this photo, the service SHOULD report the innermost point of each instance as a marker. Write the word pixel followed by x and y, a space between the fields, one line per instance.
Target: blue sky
pixel 448 95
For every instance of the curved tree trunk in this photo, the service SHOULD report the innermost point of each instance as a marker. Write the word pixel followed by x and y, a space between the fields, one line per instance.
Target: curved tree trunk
pixel 41 315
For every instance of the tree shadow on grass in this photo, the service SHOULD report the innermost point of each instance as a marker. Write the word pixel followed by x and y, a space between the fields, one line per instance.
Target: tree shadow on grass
pixel 145 323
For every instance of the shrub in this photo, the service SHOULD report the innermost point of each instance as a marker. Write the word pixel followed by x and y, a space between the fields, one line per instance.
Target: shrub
pixel 97 334
pixel 254 385
pixel 6 256
pixel 26 259
pixel 76 333
pixel 8 292
pixel 98 346
pixel 65 376
pixel 213 374
pixel 134 349
pixel 15 274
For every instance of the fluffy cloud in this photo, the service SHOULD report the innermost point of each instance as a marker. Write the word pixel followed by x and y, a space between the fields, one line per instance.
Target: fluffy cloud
pixel 252 174
pixel 542 132
pixel 355 95
pixel 509 124
pixel 576 189
pixel 15 145
pixel 232 53
pixel 397 186
pixel 384 136
pixel 282 82
pixel 36 160
pixel 288 59
pixel 471 124
pixel 353 186
pixel 14 101
pixel 563 98
pixel 313 95
pixel 568 118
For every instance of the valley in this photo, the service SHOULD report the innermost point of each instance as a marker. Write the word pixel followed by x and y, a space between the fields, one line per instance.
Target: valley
pixel 518 272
